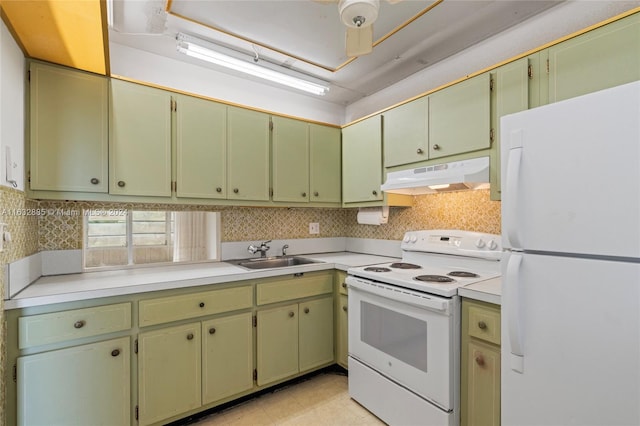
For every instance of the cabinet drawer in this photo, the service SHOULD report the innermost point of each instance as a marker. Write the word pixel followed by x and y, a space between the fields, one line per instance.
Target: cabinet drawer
pixel 294 287
pixel 75 324
pixel 175 308
pixel 484 323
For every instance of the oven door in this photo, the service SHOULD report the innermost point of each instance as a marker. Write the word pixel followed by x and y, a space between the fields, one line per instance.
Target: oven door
pixel 407 336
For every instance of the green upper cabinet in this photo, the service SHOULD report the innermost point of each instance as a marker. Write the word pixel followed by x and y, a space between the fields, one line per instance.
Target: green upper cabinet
pixel 201 148
pixel 140 140
pixel 362 161
pixel 605 57
pixel 459 117
pixel 290 160
pixel 325 164
pixel 406 133
pixel 247 155
pixel 68 129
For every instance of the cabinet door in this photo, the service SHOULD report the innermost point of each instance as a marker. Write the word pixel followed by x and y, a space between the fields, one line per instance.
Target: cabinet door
pixel 342 340
pixel 227 356
pixel 460 117
pixel 277 351
pixel 290 160
pixel 406 133
pixel 362 161
pixel 168 372
pixel 602 58
pixel 201 148
pixel 140 140
pixel 315 333
pixel 483 385
pixel 325 182
pixel 82 385
pixel 247 154
pixel 69 130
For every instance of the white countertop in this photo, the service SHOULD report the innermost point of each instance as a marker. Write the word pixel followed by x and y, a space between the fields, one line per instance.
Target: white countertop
pixel 486 291
pixel 92 285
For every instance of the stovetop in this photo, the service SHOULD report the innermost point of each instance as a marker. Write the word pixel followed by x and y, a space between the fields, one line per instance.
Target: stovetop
pixel 439 262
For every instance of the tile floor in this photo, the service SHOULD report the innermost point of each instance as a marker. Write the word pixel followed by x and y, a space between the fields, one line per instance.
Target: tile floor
pixel 322 400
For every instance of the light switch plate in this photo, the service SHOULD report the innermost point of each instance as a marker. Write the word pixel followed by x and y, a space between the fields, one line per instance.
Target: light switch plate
pixel 314 228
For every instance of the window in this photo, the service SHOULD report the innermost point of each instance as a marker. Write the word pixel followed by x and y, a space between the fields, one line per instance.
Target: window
pixel 132 237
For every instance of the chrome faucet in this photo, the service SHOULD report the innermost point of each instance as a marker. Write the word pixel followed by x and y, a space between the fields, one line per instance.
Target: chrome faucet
pixel 262 248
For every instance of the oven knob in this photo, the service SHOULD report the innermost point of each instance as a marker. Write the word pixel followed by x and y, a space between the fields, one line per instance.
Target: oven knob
pixel 492 245
pixel 480 243
pixel 413 239
pixel 405 239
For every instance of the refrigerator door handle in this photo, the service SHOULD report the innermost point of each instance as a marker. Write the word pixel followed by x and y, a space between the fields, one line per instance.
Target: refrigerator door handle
pixel 514 313
pixel 510 195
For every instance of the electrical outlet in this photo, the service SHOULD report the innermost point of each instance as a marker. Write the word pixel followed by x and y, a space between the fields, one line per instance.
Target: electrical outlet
pixel 314 228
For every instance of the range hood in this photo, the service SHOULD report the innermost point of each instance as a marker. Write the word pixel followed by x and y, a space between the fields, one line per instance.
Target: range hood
pixel 445 177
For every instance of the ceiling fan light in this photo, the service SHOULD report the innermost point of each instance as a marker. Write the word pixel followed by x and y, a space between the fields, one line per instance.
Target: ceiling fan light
pixel 358 13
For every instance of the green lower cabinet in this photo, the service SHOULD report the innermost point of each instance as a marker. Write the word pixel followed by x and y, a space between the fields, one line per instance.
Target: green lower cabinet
pixel 277 343
pixel 227 356
pixel 342 340
pixel 81 385
pixel 169 363
pixel 315 333
pixel 483 385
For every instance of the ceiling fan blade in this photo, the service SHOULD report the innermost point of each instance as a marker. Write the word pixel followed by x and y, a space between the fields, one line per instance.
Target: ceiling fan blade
pixel 359 41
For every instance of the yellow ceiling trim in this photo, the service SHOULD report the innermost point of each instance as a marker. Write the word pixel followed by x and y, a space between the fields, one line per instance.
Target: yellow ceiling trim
pixel 69 32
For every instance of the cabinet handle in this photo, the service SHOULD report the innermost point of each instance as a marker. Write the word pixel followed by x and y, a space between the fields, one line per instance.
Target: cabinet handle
pixel 190 336
pixel 218 189
pixel 315 194
pixel 482 325
pixel 212 330
pixel 291 314
pixel 79 324
pixel 374 192
pixel 235 190
pixel 95 181
pixel 480 360
pixel 115 352
pixel 201 304
pixel 121 183
pixel 419 151
pixel 306 310
pixel 436 147
pixel 344 308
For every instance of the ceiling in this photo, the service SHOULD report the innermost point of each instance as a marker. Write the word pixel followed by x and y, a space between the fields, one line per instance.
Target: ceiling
pixel 307 36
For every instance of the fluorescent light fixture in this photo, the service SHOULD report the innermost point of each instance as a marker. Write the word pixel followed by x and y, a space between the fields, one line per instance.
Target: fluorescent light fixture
pixel 194 50
pixel 442 186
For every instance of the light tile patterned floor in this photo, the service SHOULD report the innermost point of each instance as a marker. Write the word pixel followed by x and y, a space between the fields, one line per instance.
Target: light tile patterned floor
pixel 320 401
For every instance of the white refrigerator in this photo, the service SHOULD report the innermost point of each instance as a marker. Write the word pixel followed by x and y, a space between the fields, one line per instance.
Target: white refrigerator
pixel 571 266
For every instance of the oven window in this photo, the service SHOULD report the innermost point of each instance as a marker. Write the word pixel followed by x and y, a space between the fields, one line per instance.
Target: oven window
pixel 398 335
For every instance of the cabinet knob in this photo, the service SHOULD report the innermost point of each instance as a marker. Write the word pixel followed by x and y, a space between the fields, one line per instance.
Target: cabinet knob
pixel 480 360
pixel 190 336
pixel 95 181
pixel 121 183
pixel 482 325
pixel 436 147
pixel 316 194
pixel 201 304
pixel 291 314
pixel 344 308
pixel 79 324
pixel 212 330
pixel 374 192
pixel 344 285
pixel 419 151
pixel 115 352
pixel 235 190
pixel 306 310
pixel 218 189
pixel 304 194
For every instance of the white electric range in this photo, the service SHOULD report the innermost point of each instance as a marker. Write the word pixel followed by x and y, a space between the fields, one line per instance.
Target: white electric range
pixel 404 325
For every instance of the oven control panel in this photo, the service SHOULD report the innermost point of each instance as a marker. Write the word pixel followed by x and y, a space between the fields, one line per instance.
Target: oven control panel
pixel 462 243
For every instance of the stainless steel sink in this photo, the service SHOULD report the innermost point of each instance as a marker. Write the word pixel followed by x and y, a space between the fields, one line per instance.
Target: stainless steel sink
pixel 271 262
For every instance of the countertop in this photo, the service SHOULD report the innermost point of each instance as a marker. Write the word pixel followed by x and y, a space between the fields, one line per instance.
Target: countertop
pixel 93 285
pixel 486 291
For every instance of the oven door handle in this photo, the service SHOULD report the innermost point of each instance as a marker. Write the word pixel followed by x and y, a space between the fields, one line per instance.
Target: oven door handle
pixel 420 300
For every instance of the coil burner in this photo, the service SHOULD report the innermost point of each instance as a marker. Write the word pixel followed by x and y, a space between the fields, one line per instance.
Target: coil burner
pixel 377 269
pixel 404 265
pixel 434 279
pixel 463 274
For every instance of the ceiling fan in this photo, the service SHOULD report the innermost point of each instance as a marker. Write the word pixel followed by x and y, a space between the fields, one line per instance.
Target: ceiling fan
pixel 358 16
